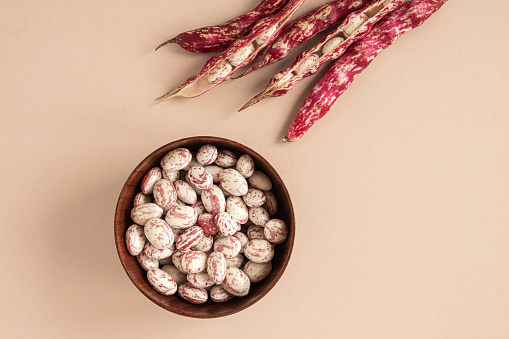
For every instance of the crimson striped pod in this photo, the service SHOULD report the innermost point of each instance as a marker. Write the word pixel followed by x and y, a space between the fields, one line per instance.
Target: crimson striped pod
pixel 217 38
pixel 339 77
pixel 221 67
pixel 303 29
pixel 356 26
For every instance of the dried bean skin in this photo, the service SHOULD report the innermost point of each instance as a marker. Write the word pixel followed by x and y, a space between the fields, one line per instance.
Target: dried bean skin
pixel 339 77
pixel 303 29
pixel 217 38
pixel 275 88
pixel 198 84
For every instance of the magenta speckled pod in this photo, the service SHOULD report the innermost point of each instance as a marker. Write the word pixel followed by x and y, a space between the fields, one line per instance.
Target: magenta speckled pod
pixel 199 84
pixel 339 77
pixel 285 80
pixel 303 29
pixel 218 38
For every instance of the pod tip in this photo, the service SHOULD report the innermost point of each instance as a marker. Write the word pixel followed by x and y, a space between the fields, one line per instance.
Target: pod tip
pixel 248 104
pixel 166 43
pixel 286 140
pixel 165 97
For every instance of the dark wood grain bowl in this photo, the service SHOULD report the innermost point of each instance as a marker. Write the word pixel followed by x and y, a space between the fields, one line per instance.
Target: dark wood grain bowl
pixel 175 303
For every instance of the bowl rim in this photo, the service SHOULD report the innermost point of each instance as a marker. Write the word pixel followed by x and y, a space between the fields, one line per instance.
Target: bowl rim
pixel 120 236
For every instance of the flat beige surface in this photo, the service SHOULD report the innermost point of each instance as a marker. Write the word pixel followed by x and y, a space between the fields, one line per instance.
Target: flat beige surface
pixel 401 191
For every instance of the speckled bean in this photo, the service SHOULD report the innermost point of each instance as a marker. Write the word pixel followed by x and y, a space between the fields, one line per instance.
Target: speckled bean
pixel 254 197
pixel 185 192
pixel 219 295
pixel 236 282
pixel 245 165
pixel 275 231
pixel 141 199
pixel 354 24
pixel 156 253
pixel 257 271
pixel 207 154
pixel 143 213
pixel 207 223
pixel 233 182
pixel 235 261
pixel 158 233
pixel 216 267
pixel 192 294
pixel 229 246
pixel 226 158
pixel 196 189
pixel 238 58
pixel 189 238
pixel 200 280
pixel 200 177
pixel 146 262
pixel 192 163
pixel 266 35
pixel 306 63
pixel 165 194
pixel 236 207
pixel 219 72
pixel 270 205
pixel 177 260
pixel 150 179
pixel 213 199
pixel 176 159
pixel 255 232
pixel 258 250
pixel 135 239
pixel 225 224
pixel 332 44
pixel 194 261
pixel 181 216
pixel 171 175
pixel 258 215
pixel 162 282
pixel 205 244
pixel 260 180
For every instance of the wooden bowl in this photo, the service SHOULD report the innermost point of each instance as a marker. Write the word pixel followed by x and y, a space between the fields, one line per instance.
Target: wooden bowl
pixel 175 303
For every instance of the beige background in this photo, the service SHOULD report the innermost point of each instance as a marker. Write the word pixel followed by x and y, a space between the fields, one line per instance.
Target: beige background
pixel 400 192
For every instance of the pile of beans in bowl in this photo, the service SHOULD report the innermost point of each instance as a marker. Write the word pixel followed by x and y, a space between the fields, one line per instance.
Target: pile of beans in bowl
pixel 203 225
